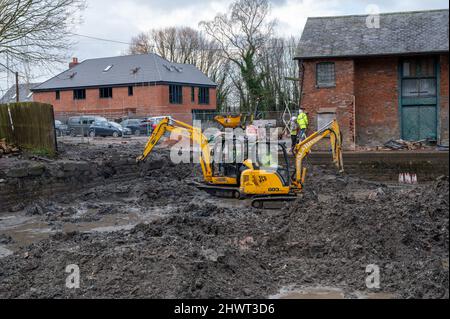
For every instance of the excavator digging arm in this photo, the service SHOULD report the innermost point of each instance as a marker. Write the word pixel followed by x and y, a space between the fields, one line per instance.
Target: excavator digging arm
pixel 194 134
pixel 303 149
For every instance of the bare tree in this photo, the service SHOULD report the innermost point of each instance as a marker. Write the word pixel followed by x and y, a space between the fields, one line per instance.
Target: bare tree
pixel 37 31
pixel 241 34
pixel 188 46
pixel 141 44
pixel 279 70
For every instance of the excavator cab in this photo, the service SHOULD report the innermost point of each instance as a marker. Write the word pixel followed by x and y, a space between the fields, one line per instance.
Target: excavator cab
pixel 229 159
pixel 279 165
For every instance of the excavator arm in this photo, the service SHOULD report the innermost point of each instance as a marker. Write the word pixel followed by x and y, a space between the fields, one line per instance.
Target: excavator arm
pixel 194 134
pixel 303 149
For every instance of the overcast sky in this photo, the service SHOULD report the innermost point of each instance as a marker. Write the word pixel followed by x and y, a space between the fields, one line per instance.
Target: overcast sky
pixel 120 20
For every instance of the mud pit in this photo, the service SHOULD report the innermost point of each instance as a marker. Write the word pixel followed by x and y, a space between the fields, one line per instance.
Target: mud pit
pixel 155 236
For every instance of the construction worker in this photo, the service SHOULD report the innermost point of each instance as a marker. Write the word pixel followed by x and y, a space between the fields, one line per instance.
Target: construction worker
pixel 294 129
pixel 303 123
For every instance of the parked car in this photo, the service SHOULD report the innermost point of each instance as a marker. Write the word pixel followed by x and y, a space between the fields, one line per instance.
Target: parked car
pixel 137 126
pixel 105 129
pixel 80 125
pixel 61 129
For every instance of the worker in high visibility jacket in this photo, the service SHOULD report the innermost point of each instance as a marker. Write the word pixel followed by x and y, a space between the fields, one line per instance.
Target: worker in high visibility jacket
pixel 303 123
pixel 294 130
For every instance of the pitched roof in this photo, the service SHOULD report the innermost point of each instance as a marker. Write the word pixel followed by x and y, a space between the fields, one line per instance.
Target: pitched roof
pixel 149 68
pixel 399 33
pixel 24 93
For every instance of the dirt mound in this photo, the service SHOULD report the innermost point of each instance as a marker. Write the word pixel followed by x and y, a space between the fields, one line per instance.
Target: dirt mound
pixel 198 247
pixel 404 232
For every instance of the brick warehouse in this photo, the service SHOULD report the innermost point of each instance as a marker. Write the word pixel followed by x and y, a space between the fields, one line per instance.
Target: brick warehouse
pixel 137 85
pixel 381 83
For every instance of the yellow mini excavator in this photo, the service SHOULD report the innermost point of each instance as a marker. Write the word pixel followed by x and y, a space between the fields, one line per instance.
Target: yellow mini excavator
pixel 266 185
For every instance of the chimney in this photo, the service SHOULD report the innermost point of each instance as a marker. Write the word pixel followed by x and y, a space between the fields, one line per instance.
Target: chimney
pixel 73 63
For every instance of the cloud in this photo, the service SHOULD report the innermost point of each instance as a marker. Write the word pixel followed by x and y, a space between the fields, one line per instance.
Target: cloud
pixel 121 20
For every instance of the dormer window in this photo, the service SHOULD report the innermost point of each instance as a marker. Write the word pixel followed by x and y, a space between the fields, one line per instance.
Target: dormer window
pixel 107 68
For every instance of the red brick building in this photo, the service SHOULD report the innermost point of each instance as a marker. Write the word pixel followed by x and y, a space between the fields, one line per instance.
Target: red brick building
pixel 135 86
pixel 382 82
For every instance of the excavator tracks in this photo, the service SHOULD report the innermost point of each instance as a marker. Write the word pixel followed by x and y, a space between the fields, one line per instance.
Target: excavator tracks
pixel 272 202
pixel 258 202
pixel 219 191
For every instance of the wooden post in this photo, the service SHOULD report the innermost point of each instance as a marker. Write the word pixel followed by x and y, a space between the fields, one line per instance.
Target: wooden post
pixel 17 87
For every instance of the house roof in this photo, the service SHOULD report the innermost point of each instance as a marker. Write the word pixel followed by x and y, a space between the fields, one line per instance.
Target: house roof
pixel 126 70
pixel 24 93
pixel 399 33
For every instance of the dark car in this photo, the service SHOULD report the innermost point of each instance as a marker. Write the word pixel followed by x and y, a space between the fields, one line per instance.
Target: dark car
pixel 138 127
pixel 80 125
pixel 61 129
pixel 105 129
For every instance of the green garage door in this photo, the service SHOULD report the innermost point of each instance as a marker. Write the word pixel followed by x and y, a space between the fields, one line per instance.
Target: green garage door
pixel 419 99
pixel 419 123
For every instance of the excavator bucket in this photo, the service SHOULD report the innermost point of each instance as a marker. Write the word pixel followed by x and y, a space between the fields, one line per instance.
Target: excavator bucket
pixel 230 121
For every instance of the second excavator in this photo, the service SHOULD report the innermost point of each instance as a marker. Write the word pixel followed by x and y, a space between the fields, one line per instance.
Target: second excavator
pixel 265 184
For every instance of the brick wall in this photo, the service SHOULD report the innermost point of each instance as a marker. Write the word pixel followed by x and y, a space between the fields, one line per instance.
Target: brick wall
pixel 444 119
pixel 146 101
pixel 338 99
pixel 372 83
pixel 377 104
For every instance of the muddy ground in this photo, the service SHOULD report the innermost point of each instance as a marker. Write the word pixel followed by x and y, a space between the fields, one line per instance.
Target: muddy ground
pixel 155 236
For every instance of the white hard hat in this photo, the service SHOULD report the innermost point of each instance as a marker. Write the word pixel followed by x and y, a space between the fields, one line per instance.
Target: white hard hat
pixel 294 118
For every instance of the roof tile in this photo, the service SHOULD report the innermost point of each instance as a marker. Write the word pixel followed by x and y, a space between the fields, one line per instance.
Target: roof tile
pixel 399 33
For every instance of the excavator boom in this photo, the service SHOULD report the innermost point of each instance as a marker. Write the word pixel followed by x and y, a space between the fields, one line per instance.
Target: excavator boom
pixel 193 133
pixel 303 149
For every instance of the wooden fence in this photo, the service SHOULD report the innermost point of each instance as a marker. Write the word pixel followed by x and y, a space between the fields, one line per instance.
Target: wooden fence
pixel 29 125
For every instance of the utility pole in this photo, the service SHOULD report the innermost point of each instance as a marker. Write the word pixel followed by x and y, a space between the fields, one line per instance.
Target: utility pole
pixel 17 82
pixel 17 87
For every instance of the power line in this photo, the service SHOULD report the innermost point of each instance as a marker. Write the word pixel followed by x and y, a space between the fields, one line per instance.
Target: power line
pixel 100 39
pixel 176 48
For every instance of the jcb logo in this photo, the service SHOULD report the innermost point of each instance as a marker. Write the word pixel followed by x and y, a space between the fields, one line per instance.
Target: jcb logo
pixel 274 189
pixel 262 179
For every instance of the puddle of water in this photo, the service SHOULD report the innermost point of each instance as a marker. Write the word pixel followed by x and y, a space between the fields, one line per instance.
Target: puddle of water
pixel 309 293
pixel 375 295
pixel 5 252
pixel 26 233
pixel 25 230
pixel 111 229
pixel 11 221
pixel 327 293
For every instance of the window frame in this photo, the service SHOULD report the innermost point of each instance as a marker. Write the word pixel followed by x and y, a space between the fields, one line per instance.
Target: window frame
pixel 325 84
pixel 130 90
pixel 57 95
pixel 204 96
pixel 193 94
pixel 419 77
pixel 78 96
pixel 175 94
pixel 105 93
